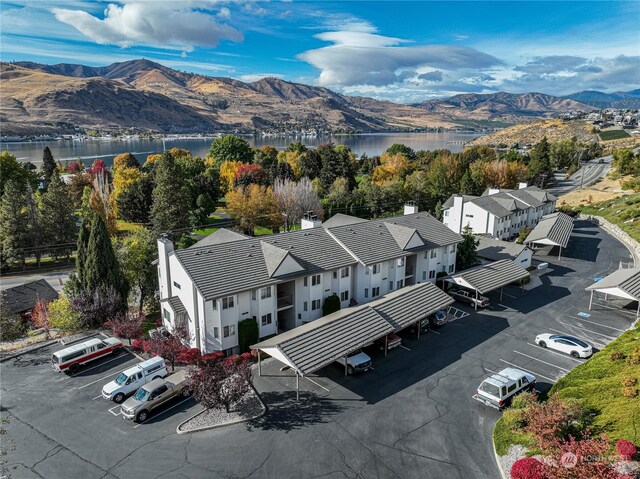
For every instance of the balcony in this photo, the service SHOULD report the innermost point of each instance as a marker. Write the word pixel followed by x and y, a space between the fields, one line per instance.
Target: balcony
pixel 408 271
pixel 285 302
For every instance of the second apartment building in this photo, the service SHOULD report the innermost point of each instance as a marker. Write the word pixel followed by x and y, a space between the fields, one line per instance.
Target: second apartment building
pixel 283 280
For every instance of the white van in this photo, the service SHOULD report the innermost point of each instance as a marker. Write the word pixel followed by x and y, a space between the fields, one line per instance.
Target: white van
pixel 133 378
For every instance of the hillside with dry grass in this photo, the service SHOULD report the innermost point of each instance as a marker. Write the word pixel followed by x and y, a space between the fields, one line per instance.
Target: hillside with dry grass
pixel 533 132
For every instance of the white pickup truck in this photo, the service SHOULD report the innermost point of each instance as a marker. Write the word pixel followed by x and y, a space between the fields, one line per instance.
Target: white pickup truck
pixel 133 378
pixel 356 362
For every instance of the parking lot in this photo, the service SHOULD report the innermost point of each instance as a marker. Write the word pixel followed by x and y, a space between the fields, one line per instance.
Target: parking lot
pixel 411 416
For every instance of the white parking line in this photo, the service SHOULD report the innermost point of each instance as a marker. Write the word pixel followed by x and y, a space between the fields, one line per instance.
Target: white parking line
pixel 93 399
pixel 160 414
pixel 610 338
pixel 97 365
pixel 540 360
pixel 487 369
pixel 510 295
pixel 404 347
pixel 319 385
pixel 599 324
pixel 432 331
pixel 98 380
pixel 115 407
pixel 556 353
pixel 528 370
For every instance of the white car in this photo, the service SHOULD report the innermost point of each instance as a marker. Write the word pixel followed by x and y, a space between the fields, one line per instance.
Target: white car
pixel 565 344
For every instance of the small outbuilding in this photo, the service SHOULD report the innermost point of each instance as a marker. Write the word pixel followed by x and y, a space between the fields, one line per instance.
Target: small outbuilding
pixel 554 230
pixel 623 283
pixel 21 299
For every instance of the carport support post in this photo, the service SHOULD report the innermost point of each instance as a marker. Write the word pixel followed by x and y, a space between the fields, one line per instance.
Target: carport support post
pixel 475 305
pixel 259 364
pixel 559 252
pixel 419 323
pixel 297 386
pixel 591 300
pixel 501 288
pixel 346 367
pixel 386 343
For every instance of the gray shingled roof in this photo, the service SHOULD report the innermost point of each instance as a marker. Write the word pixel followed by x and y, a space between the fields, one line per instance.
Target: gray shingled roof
pixel 493 249
pixel 628 280
pixel 410 304
pixel 321 342
pixel 273 256
pixel 372 242
pixel 494 207
pixel 491 276
pixel 465 198
pixel 525 196
pixel 176 305
pixel 340 219
pixel 23 298
pixel 241 265
pixel 556 228
pixel 401 234
pixel 219 236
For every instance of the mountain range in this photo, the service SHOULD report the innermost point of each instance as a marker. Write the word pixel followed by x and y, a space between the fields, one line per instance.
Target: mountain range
pixel 144 95
pixel 598 99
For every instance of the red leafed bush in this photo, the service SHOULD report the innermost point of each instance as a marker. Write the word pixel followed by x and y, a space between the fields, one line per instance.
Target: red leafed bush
pixel 74 167
pixel 159 322
pixel 626 449
pixel 138 344
pixel 246 356
pixel 147 347
pixel 212 357
pixel 190 357
pixel 527 468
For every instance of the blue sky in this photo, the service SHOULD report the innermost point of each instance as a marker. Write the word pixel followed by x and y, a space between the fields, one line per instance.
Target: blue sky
pixel 402 51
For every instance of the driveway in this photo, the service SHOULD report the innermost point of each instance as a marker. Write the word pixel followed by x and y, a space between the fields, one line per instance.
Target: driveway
pixel 411 417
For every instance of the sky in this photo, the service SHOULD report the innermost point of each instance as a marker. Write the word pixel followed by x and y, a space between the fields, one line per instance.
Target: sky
pixel 401 51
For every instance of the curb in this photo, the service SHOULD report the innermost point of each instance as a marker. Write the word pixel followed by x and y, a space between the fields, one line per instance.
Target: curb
pixel 497 458
pixel 46 344
pixel 216 426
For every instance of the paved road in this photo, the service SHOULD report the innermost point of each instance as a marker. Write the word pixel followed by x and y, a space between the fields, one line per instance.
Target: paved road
pixel 411 417
pixel 54 278
pixel 590 171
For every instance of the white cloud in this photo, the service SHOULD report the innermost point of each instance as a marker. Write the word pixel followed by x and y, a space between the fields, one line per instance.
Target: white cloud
pixel 170 25
pixel 362 58
pixel 248 78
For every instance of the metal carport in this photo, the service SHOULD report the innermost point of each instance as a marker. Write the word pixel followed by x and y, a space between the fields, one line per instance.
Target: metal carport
pixel 489 277
pixel 623 283
pixel 554 229
pixel 310 347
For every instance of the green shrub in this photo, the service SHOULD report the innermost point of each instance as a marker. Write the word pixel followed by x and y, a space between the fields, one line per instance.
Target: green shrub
pixel 331 305
pixel 524 400
pixel 11 327
pixel 514 419
pixel 616 356
pixel 248 333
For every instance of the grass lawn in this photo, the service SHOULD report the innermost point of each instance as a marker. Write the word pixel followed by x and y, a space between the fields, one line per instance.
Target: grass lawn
pixel 598 385
pixel 618 211
pixel 613 134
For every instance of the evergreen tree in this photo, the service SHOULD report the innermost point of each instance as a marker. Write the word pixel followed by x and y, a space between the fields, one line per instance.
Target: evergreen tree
pixel 14 232
pixel 34 224
pixel 540 161
pixel 101 269
pixel 56 212
pixel 171 198
pixel 48 165
pixel 230 148
pixel 134 203
pixel 467 256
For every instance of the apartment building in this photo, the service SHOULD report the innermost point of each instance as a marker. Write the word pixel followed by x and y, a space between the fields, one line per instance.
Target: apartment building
pixel 282 280
pixel 502 213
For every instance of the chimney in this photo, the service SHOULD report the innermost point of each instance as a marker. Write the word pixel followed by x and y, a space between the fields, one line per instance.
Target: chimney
pixel 165 247
pixel 309 220
pixel 410 208
pixel 522 185
pixel 493 191
pixel 456 214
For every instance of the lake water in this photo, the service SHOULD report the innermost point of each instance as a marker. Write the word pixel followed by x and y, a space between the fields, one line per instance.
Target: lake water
pixel 371 144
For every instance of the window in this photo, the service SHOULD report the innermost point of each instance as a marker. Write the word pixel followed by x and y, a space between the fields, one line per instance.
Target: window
pixel 434 253
pixel 344 296
pixel 305 281
pixel 390 285
pixel 468 216
pixel 214 304
pixel 228 302
pixel 305 305
pixel 400 261
pixel 165 314
pixel 453 249
pixel 424 275
pixel 446 212
pixel 451 268
pixel 511 388
pixel 400 284
pixel 265 292
pixel 266 319
pixel 375 292
pixel 315 280
pixel 315 304
pixel 432 274
pixel 366 292
pixel 376 268
pixel 344 273
pixel 253 295
pixel 176 285
pixel 229 331
pixel 335 274
pixel 426 255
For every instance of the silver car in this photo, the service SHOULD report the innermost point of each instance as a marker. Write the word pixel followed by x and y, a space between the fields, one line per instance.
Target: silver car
pixel 154 394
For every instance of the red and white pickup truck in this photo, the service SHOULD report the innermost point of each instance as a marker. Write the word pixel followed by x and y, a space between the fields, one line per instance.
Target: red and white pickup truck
pixel 71 358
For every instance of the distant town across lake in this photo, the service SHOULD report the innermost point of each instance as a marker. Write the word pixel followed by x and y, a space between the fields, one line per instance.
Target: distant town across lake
pixel 90 150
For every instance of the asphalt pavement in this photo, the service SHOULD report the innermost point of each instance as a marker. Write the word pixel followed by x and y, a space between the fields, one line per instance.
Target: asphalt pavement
pixel 413 416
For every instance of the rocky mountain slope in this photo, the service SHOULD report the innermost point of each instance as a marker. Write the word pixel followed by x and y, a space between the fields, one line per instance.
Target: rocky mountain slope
pixel 144 95
pixel 501 106
pixel 598 99
pixel 533 132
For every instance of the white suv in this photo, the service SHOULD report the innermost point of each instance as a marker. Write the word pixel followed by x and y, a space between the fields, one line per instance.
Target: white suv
pixel 498 390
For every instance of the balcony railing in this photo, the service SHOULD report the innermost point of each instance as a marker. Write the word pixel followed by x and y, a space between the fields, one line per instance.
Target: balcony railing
pixel 285 302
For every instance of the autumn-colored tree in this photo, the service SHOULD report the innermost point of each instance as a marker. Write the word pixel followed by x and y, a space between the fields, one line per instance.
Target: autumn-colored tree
pixel 123 179
pixel 552 421
pixel 101 198
pixel 294 199
pixel 62 315
pixel 169 348
pixel 444 175
pixel 127 325
pixel 125 160
pixel 254 206
pixel 391 167
pixel 292 158
pixel 222 383
pixel 500 173
pixel 40 318
pixel 250 173
pixel 585 458
pixel 74 167
pixel 228 171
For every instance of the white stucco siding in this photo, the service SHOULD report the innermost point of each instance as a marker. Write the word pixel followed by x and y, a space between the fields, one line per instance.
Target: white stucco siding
pixel 212 320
